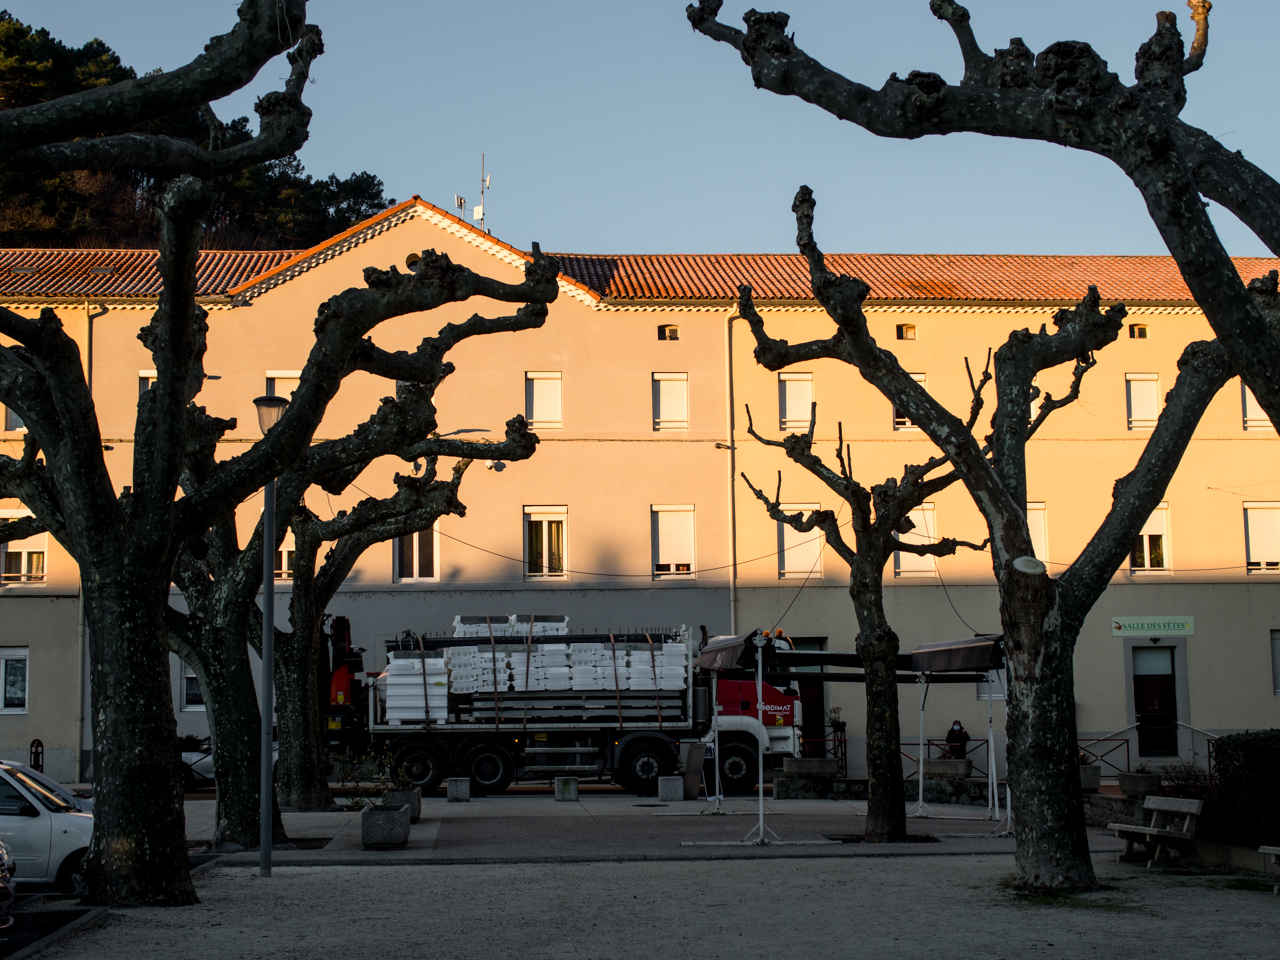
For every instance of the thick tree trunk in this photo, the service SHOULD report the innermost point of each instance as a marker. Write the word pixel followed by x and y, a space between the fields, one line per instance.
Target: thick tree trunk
pixel 138 855
pixel 235 727
pixel 1048 809
pixel 877 644
pixel 301 783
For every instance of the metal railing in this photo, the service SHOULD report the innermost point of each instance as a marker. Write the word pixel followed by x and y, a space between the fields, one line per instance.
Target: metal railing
pixel 836 747
pixel 1209 739
pixel 1098 750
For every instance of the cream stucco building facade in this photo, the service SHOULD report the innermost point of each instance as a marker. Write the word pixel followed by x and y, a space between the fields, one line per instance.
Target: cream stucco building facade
pixel 631 513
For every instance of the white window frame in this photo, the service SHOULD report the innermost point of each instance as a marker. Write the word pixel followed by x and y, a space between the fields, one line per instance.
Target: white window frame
pixel 1157 525
pixel 798 570
pixel 11 655
pixel 530 378
pixel 40 539
pixel 1038 527
pixel 1141 423
pixel 11 422
pixel 1268 563
pixel 786 416
pixel 1255 418
pixel 661 422
pixel 288 545
pixel 146 380
pixel 902 422
pixel 397 559
pixel 184 674
pixel 925 518
pixel 542 515
pixel 272 387
pixel 656 511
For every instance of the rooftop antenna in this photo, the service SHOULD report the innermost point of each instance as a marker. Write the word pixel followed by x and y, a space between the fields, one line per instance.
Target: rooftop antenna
pixel 461 203
pixel 477 213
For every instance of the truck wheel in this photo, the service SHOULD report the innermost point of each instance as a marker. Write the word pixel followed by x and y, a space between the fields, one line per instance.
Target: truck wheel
pixel 490 768
pixel 641 766
pixel 424 766
pixel 738 768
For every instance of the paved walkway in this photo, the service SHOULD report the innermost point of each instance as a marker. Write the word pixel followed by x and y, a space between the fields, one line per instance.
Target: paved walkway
pixel 512 829
pixel 883 907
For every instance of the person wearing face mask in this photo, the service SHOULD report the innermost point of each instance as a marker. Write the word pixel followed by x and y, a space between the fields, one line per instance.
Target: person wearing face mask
pixel 957 741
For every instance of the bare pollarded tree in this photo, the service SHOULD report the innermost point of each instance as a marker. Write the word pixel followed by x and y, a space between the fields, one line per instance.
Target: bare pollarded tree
pixel 1040 616
pixel 879 515
pixel 127 544
pixel 1067 95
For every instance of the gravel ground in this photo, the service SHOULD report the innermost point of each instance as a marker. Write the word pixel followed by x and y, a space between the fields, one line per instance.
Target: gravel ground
pixel 874 907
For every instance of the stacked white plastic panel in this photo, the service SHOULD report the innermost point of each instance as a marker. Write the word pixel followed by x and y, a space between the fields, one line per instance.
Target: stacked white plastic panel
pixel 410 697
pixel 472 625
pixel 463 664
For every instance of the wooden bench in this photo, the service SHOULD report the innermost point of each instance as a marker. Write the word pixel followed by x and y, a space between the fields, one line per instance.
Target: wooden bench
pixel 1162 835
pixel 1274 853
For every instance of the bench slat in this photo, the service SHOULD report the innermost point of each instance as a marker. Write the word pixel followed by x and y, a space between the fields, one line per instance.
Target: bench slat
pixel 1123 828
pixel 1174 805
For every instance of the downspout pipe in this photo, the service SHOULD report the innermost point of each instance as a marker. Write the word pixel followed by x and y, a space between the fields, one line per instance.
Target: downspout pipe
pixel 733 473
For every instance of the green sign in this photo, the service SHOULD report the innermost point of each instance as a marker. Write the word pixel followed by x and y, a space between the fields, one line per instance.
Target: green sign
pixel 1153 626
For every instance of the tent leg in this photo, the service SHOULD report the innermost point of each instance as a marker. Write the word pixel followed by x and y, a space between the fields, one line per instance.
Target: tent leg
pixel 921 809
pixel 715 807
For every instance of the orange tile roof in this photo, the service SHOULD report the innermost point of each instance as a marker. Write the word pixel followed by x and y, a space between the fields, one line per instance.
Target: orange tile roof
pixel 109 274
pixel 957 277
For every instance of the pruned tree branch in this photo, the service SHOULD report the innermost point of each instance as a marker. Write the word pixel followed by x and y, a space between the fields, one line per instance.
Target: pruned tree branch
pixel 20 529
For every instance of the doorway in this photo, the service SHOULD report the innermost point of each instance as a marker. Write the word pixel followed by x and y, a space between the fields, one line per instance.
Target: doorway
pixel 1155 701
pixel 813 702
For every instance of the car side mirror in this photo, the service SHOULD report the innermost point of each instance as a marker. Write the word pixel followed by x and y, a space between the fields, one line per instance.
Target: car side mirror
pixel 28 810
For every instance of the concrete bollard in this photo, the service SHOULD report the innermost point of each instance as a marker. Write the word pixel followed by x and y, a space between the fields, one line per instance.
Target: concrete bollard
pixel 458 789
pixel 567 789
pixel 671 789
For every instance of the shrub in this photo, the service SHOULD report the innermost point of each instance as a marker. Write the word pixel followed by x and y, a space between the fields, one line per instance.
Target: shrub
pixel 1242 794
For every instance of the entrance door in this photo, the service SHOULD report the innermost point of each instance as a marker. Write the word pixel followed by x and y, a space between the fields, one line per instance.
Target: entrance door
pixel 1155 702
pixel 813 702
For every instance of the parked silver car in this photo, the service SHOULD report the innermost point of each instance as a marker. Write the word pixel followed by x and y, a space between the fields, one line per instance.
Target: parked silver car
pixel 7 887
pixel 47 837
pixel 81 803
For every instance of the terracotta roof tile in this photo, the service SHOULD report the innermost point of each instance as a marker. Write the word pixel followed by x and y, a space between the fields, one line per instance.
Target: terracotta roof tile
pixel 122 273
pixel 985 277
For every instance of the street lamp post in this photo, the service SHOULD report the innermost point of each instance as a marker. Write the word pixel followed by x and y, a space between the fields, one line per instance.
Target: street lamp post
pixel 269 411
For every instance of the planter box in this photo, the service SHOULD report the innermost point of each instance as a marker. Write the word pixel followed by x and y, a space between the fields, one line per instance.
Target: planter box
pixel 811 768
pixel 947 769
pixel 1137 786
pixel 384 828
pixel 1090 778
pixel 394 798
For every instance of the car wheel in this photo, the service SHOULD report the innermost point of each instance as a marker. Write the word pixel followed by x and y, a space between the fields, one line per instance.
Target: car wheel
pixel 71 882
pixel 424 766
pixel 490 768
pixel 641 766
pixel 739 771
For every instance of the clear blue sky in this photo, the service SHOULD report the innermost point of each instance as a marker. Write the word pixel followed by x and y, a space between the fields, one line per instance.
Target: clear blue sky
pixel 611 127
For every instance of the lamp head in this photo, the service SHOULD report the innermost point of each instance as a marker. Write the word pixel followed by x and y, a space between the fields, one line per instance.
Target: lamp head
pixel 270 410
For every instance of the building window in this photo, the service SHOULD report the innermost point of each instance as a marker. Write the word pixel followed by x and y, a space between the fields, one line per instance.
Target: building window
pixel 925 531
pixel 795 400
pixel 13 677
pixel 1142 391
pixel 1150 553
pixel 1039 532
pixel 1255 418
pixel 146 380
pixel 282 383
pixel 542 407
pixel 1275 662
pixel 285 554
pixel 994 686
pixel 192 697
pixel 23 561
pixel 668 331
pixel 415 555
pixel 906 331
pixel 1262 537
pixel 670 401
pixel 1137 331
pixel 544 543
pixel 672 528
pixel 11 420
pixel 799 554
pixel 900 420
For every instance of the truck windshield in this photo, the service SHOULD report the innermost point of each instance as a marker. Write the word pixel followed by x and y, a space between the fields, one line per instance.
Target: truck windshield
pixel 49 800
